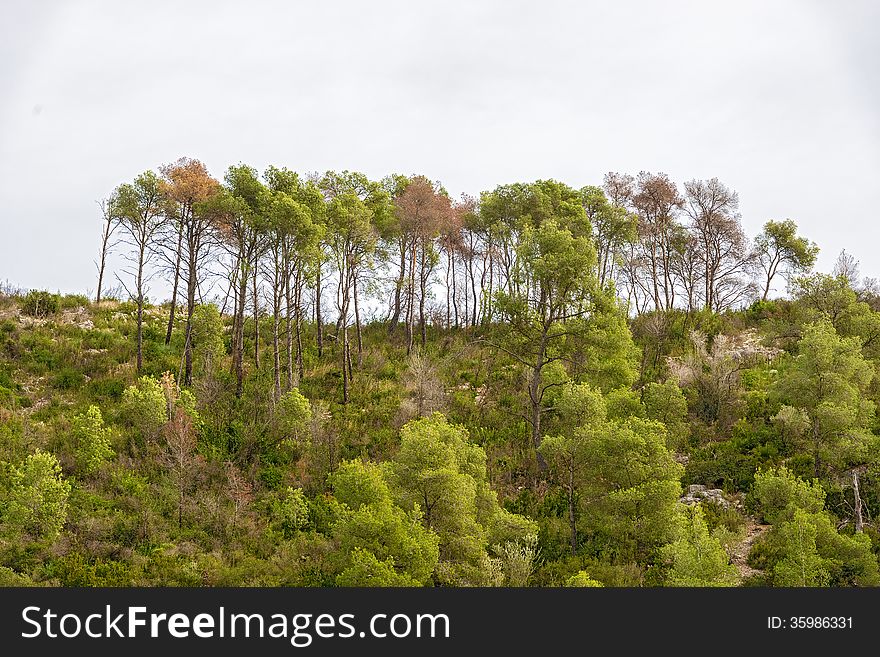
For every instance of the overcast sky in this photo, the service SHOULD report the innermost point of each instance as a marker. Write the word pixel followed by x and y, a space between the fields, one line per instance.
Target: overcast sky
pixel 779 99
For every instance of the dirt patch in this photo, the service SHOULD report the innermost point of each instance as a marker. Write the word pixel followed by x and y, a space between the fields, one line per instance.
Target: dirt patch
pixel 740 551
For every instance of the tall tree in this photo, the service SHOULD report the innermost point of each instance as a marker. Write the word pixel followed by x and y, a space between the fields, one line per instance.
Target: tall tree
pixel 188 186
pixel 109 223
pixel 298 211
pixel 722 246
pixel 552 289
pixel 352 240
pixel 779 249
pixel 243 228
pixel 657 203
pixel 826 383
pixel 613 228
pixel 140 207
pixel 422 210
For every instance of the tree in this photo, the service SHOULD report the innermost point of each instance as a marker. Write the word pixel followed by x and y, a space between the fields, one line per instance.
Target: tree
pixel 827 381
pixel 722 245
pixel 93 439
pixel 109 223
pixel 778 249
pixel 180 455
pixel 144 409
pixel 621 482
pixel 352 240
pixel 188 186
pixel 696 557
pixel 440 473
pixel 140 206
pixel 657 203
pixel 240 217
pixel 380 544
pixel 582 412
pixel 207 339
pixel 582 579
pixel 613 225
pixel 423 212
pixel 801 565
pixel 803 547
pixel 551 289
pixel 298 215
pixel 37 498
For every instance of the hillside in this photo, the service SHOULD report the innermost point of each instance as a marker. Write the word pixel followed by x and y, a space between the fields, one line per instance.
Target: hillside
pixel 243 491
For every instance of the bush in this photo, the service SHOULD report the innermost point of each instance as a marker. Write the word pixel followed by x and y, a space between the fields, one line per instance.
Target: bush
pixel 92 438
pixel 39 303
pixel 68 378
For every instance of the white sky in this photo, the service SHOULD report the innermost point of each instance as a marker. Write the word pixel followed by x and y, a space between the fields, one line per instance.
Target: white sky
pixel 780 99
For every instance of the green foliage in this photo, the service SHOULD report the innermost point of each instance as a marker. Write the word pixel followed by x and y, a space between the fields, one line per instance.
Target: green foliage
pixel 666 403
pixel 369 522
pixel 36 498
pixel 582 580
pixel 438 473
pixel 289 512
pixel 39 303
pixel 293 415
pixel 92 438
pixel 144 407
pixel 801 564
pixel 697 558
pixel 827 382
pixel 776 493
pixel 207 338
pixel 367 570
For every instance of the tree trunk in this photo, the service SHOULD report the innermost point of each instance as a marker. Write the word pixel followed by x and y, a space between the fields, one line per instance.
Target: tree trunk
pixel 410 302
pixel 190 308
pixel 454 289
pixel 238 332
pixel 571 515
pixel 140 311
pixel 318 319
pixel 398 289
pixel 174 286
pixel 256 321
pixel 357 323
pixel 288 321
pixel 858 501
pixel 300 370
pixel 276 345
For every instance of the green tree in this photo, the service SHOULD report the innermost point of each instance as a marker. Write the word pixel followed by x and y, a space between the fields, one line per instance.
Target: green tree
pixel 92 439
pixel 207 339
pixel 550 282
pixel 827 381
pixel 37 498
pixel 801 564
pixel 666 403
pixel 144 408
pixel 140 207
pixel 778 248
pixel 387 538
pixel 621 481
pixel 440 473
pixel 582 579
pixel 697 558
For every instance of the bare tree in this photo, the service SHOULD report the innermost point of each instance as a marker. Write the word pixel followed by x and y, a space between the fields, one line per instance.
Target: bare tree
pixel 109 223
pixel 657 203
pixel 721 243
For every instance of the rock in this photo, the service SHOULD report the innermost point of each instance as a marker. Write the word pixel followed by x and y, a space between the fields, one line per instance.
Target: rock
pixel 698 493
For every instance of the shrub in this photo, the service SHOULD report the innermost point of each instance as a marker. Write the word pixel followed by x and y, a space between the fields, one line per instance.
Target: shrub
pixel 40 303
pixel 92 438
